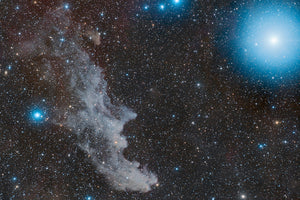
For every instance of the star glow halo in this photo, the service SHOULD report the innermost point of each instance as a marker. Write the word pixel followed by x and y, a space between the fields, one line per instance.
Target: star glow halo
pixel 37 115
pixel 271 38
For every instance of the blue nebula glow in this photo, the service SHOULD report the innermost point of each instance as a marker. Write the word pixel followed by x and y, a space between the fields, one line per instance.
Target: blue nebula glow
pixel 270 38
pixel 176 1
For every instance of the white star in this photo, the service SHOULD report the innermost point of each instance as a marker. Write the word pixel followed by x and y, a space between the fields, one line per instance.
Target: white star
pixel 274 40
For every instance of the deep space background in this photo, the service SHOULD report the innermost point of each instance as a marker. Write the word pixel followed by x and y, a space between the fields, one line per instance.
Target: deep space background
pixel 213 122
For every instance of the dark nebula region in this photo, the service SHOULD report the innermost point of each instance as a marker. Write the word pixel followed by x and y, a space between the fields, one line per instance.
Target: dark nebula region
pixel 167 99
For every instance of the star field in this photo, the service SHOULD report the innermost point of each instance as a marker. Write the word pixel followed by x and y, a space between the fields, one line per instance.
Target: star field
pixel 170 99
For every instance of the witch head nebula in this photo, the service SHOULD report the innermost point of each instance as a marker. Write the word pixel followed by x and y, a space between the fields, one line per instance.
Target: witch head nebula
pixel 97 123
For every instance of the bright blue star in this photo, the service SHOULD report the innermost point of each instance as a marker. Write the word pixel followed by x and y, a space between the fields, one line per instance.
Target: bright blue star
pixel 9 67
pixel 66 6
pixel 146 7
pixel 37 115
pixel 176 1
pixel 17 7
pixel 176 168
pixel 88 198
pixel 14 178
pixel 262 145
pixel 162 7
pixel 62 39
pixel 270 38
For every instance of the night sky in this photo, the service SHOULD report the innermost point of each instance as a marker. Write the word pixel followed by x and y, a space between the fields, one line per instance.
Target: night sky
pixel 162 99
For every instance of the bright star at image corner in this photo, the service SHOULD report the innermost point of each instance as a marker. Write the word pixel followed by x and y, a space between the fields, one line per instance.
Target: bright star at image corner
pixel 270 38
